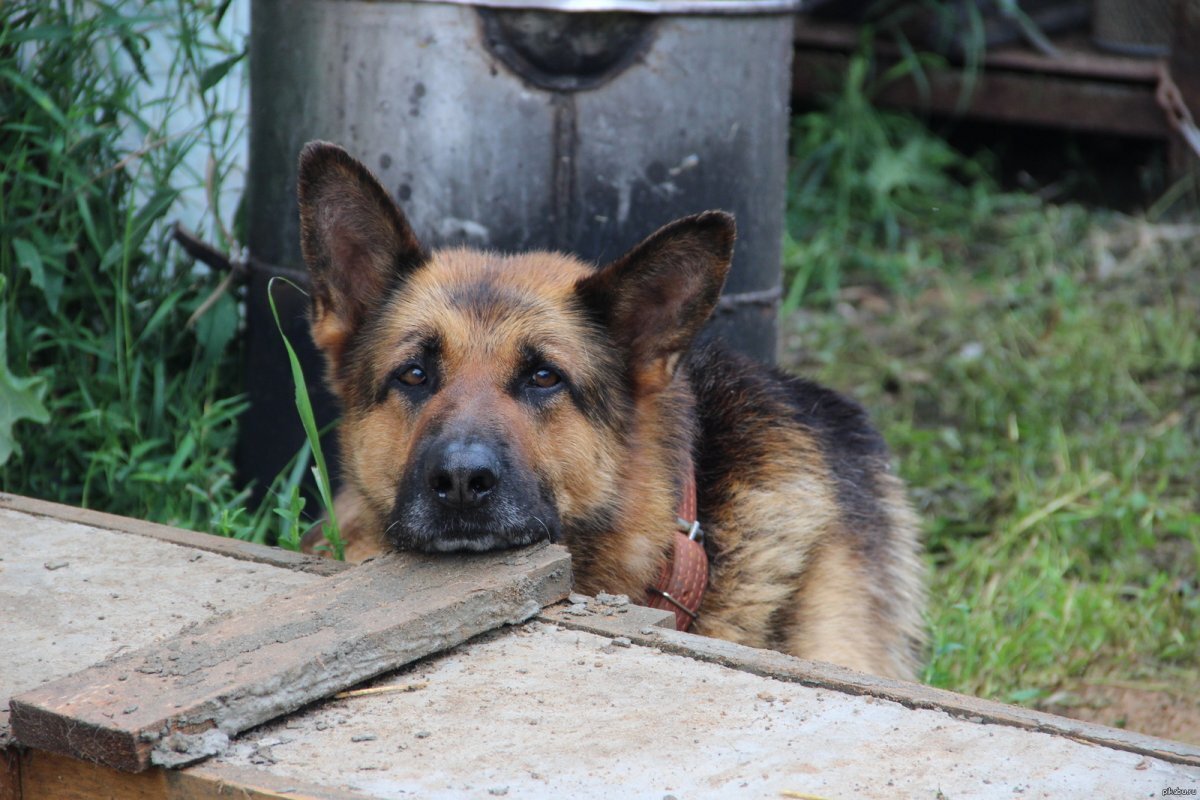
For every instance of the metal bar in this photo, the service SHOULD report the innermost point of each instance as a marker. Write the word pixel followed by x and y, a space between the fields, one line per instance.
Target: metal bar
pixel 656 7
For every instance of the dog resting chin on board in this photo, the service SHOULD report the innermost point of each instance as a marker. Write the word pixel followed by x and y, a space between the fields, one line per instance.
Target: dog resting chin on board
pixel 493 400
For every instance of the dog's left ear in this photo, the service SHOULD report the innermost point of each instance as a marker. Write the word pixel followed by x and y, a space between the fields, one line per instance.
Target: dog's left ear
pixel 655 298
pixel 355 239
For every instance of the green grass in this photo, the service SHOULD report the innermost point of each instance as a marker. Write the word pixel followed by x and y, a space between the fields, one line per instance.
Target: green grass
pixel 120 360
pixel 1036 369
pixel 1042 396
pixel 330 531
pixel 116 391
pixel 867 187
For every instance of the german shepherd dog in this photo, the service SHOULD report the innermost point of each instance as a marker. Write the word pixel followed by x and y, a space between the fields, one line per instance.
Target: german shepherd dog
pixel 491 401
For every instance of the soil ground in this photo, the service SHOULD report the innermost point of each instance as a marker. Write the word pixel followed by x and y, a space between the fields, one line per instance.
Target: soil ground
pixel 1172 713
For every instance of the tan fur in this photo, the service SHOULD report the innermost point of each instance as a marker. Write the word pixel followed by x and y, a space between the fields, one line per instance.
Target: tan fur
pixel 582 466
pixel 785 548
pixel 789 568
pixel 768 532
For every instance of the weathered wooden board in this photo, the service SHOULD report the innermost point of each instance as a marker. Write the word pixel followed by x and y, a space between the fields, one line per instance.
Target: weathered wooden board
pixel 74 594
pixel 10 775
pixel 50 775
pixel 179 701
pixel 220 545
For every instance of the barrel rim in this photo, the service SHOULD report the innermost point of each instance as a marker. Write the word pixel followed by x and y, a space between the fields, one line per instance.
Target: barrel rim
pixel 651 7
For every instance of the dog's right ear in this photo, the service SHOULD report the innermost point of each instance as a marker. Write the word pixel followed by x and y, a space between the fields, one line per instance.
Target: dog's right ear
pixel 655 298
pixel 356 242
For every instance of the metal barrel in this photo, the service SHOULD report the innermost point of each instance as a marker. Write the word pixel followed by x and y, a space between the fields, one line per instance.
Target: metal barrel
pixel 574 125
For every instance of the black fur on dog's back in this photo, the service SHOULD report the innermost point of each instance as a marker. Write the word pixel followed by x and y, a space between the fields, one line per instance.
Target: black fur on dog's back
pixel 740 407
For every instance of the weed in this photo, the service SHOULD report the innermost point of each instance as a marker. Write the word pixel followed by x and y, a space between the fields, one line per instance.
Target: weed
pixel 866 185
pixel 113 400
pixel 321 474
pixel 1035 370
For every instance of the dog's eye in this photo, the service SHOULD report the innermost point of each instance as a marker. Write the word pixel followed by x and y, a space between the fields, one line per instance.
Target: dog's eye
pixel 412 376
pixel 545 378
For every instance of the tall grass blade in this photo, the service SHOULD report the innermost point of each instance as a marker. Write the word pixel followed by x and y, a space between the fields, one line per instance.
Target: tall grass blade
pixel 312 434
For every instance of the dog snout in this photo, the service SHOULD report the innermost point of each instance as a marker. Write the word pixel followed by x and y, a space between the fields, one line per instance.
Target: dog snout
pixel 463 474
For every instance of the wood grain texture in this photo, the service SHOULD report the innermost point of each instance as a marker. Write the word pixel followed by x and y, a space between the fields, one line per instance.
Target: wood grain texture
pixel 179 701
pixel 50 775
pixel 10 774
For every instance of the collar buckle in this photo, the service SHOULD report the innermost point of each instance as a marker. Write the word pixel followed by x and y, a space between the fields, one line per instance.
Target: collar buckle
pixel 691 529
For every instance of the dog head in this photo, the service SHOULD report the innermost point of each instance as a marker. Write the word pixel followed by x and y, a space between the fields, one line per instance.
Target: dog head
pixel 491 400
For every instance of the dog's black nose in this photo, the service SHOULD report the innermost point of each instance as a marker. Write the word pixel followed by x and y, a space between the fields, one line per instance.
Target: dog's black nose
pixel 464 474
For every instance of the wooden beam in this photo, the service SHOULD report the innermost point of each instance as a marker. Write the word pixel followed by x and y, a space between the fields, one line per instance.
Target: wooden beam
pixel 1014 97
pixel 179 701
pixel 1084 90
pixel 233 548
pixel 10 774
pixel 50 775
pixel 1079 58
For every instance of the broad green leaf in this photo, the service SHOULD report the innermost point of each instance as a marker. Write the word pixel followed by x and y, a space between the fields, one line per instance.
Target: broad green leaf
pixel 31 261
pixel 47 280
pixel 20 398
pixel 213 75
pixel 216 328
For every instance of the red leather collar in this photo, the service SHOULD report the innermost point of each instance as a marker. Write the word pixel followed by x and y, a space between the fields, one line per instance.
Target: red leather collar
pixel 684 578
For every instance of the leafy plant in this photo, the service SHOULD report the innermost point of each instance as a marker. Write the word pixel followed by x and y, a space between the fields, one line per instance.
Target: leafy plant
pixel 866 184
pixel 112 398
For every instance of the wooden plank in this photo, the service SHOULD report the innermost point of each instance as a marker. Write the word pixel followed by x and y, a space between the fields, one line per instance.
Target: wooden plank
pixel 607 619
pixel 780 666
pixel 58 776
pixel 1079 59
pixel 179 701
pixel 72 595
pixel 50 775
pixel 10 774
pixel 233 548
pixel 1046 101
pixel 1009 97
